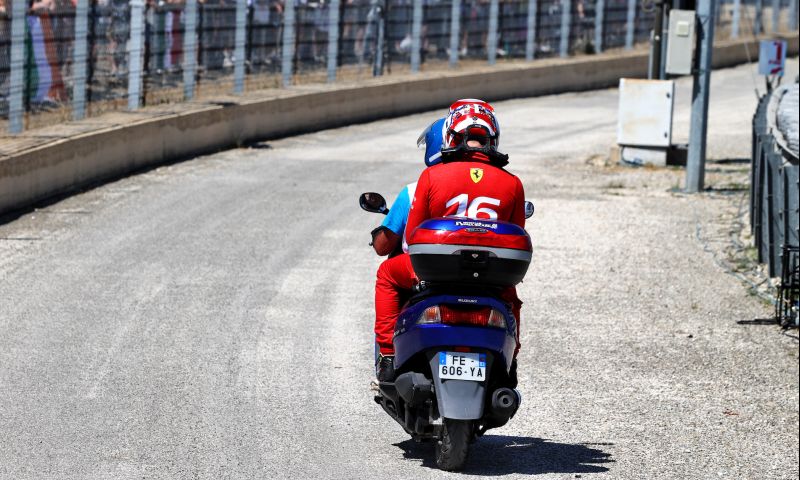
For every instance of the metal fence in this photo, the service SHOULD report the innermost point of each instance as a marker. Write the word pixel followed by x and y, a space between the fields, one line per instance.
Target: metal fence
pixel 66 59
pixel 774 199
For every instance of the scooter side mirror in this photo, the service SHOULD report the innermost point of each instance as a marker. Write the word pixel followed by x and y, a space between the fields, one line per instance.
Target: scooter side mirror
pixel 528 209
pixel 373 202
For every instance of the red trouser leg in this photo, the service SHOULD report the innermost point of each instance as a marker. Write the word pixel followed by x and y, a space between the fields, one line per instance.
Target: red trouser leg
pixel 394 276
pixel 510 296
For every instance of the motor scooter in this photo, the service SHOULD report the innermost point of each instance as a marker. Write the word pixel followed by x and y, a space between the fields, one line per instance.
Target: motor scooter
pixel 454 341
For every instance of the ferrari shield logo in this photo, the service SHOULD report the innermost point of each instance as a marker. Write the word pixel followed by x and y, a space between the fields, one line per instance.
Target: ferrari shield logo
pixel 476 174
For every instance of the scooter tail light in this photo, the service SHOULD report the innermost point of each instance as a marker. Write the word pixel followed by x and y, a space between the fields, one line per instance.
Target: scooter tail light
pixel 481 317
pixel 430 315
pixel 465 316
pixel 497 319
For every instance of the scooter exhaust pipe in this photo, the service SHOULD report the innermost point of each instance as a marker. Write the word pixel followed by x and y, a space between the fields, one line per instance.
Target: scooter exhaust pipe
pixel 505 402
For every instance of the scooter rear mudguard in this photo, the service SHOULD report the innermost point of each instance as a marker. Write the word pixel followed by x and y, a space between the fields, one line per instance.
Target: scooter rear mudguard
pixel 459 399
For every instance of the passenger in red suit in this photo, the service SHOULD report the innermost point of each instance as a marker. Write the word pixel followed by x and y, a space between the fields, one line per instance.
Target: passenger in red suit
pixel 470 182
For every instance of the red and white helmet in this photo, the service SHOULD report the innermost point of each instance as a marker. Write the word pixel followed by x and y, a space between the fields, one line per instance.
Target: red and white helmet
pixel 468 101
pixel 471 119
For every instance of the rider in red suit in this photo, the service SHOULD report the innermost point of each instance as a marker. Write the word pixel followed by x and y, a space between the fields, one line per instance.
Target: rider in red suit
pixel 469 183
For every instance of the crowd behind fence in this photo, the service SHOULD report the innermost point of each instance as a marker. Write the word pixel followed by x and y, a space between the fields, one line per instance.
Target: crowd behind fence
pixel 62 59
pixel 775 194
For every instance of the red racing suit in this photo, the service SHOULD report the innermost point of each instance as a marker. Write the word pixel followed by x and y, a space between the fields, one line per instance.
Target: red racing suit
pixel 471 187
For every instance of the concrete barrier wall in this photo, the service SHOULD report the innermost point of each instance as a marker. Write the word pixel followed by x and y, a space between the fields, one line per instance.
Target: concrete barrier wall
pixel 32 175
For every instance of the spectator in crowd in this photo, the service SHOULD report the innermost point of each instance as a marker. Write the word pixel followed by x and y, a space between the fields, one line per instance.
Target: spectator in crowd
pixel 44 82
pixel 115 18
pixel 165 34
pixel 275 33
pixel 63 24
pixel 319 38
pixel 260 31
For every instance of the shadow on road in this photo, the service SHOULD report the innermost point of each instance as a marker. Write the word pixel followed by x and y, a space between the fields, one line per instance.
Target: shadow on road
pixel 758 321
pixel 503 455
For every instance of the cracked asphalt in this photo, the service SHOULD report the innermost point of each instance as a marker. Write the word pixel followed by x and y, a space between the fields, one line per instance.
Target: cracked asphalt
pixel 213 318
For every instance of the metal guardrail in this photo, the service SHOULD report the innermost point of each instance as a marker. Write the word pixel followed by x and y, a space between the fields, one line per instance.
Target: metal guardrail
pixel 65 59
pixel 775 202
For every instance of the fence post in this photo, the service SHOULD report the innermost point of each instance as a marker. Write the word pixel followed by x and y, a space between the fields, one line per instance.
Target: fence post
pixel 566 16
pixel 530 40
pixel 79 60
pixel 16 89
pixel 696 156
pixel 238 49
pixel 737 15
pixel 416 37
pixel 630 24
pixel 599 14
pixel 189 49
pixel 759 17
pixel 248 42
pixel 92 40
pixel 776 15
pixel 287 52
pixel 333 39
pixel 455 25
pixel 380 8
pixel 150 39
pixel 491 38
pixel 135 54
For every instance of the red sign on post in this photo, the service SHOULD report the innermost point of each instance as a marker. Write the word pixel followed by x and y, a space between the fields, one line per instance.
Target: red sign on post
pixel 772 57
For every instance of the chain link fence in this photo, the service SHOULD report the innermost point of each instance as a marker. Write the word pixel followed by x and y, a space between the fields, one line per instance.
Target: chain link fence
pixel 67 59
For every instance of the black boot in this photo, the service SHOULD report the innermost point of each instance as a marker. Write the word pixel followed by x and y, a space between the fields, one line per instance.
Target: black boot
pixel 385 368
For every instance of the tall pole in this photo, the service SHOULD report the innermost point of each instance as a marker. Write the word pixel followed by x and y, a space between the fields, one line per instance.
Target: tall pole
pixel 135 63
pixel 530 39
pixel 759 16
pixel 630 25
pixel 416 37
pixel 776 15
pixel 377 67
pixel 658 32
pixel 333 40
pixel 491 38
pixel 189 49
pixel 695 165
pixel 599 14
pixel 79 60
pixel 566 17
pixel 737 16
pixel 287 52
pixel 239 46
pixel 455 25
pixel 16 90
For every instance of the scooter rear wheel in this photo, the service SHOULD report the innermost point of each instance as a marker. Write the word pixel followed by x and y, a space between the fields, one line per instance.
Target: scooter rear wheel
pixel 451 449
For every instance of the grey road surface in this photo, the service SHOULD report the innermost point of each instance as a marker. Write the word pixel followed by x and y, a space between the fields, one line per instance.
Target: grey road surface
pixel 213 318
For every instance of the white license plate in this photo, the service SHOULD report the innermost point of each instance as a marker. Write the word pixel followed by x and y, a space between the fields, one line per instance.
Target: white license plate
pixel 462 366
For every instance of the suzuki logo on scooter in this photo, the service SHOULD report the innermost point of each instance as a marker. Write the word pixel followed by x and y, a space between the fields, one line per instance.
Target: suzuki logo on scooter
pixel 467 300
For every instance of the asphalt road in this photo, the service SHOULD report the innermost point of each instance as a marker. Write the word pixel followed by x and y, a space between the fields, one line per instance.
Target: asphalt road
pixel 213 318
